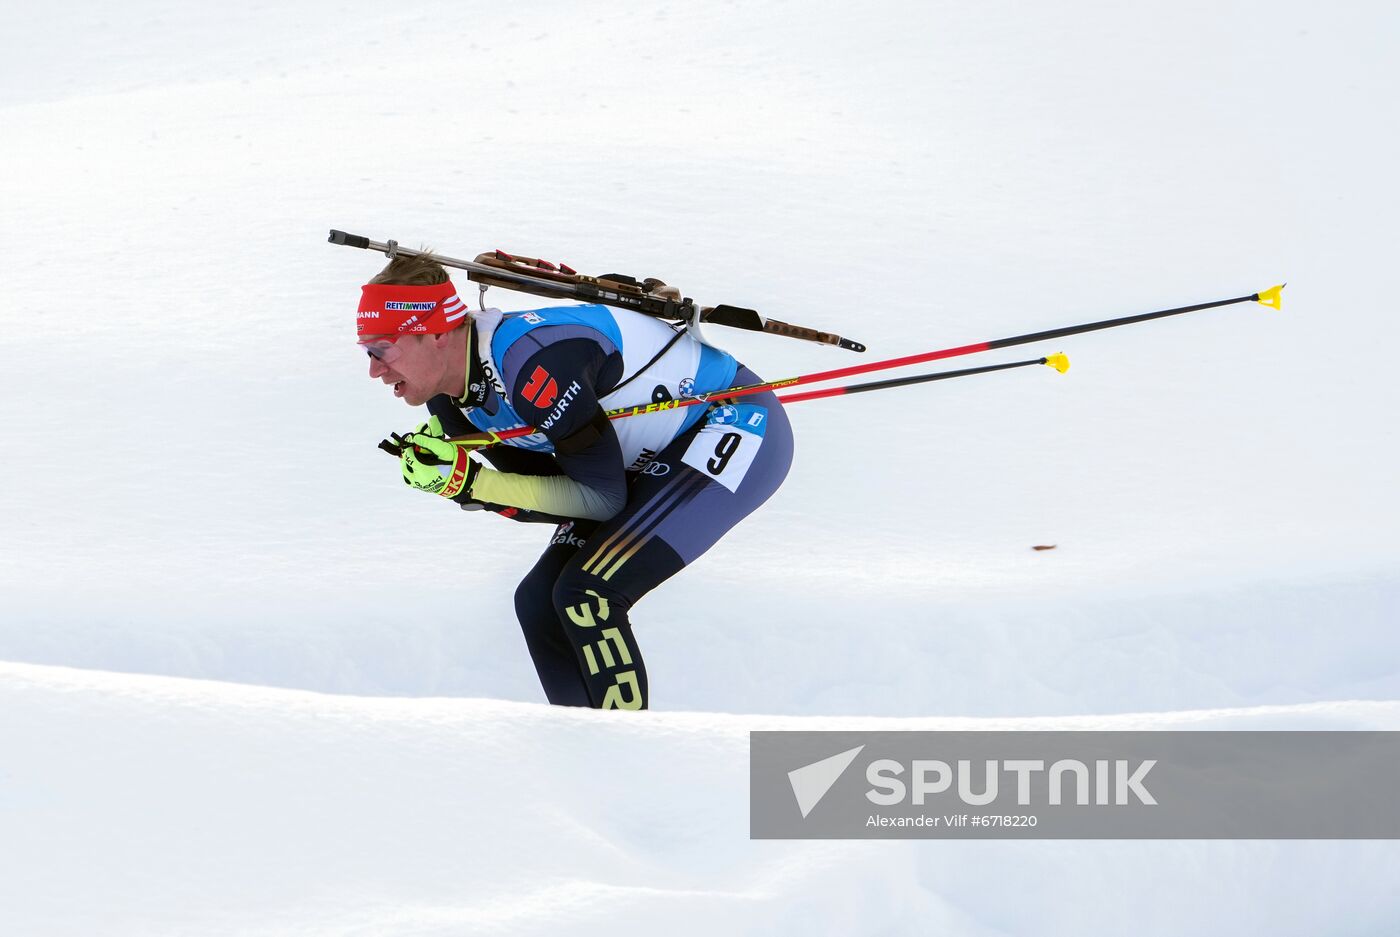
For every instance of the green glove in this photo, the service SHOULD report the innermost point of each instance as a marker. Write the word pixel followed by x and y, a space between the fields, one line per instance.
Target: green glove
pixel 395 444
pixel 433 427
pixel 430 463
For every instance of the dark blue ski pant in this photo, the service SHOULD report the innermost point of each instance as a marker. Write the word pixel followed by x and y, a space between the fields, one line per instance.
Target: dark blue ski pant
pixel 575 605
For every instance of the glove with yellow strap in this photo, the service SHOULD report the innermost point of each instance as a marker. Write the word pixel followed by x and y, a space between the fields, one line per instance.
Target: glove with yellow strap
pixel 430 463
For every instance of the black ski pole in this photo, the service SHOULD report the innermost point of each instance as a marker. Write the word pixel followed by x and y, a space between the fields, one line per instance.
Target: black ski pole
pixel 1059 362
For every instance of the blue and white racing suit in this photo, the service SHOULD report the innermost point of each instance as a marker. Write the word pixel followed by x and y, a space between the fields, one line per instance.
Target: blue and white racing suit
pixel 635 499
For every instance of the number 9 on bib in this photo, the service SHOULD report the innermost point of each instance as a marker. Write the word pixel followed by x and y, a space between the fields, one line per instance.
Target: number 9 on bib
pixel 726 445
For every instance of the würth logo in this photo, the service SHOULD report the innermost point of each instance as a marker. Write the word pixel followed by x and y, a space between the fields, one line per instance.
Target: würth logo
pixel 542 389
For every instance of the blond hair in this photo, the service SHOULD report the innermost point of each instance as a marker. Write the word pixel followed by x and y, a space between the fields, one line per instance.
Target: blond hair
pixel 412 270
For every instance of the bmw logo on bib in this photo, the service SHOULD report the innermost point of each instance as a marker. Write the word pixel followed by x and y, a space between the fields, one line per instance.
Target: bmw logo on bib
pixel 726 415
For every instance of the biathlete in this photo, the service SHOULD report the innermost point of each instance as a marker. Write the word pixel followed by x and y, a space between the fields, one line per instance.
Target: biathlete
pixel 635 499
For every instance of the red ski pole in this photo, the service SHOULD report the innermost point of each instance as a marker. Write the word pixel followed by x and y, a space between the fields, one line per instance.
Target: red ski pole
pixel 1270 297
pixel 1058 362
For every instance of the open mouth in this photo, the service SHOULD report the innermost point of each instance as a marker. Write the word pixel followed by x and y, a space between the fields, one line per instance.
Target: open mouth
pixel 398 388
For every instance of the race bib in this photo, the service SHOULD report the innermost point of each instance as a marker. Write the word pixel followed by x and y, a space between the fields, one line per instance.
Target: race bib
pixel 725 447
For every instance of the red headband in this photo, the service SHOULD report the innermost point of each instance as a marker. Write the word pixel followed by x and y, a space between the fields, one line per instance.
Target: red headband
pixel 386 309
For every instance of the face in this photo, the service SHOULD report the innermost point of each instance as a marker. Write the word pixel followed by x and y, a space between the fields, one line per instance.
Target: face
pixel 414 366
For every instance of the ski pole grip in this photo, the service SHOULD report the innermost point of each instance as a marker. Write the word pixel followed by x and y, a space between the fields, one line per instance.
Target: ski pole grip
pixel 349 240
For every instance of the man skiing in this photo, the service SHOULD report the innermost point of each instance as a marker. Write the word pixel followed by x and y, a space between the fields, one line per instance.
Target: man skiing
pixel 635 500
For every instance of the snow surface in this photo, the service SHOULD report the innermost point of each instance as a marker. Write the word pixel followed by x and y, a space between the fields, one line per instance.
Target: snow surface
pixel 191 488
pixel 224 809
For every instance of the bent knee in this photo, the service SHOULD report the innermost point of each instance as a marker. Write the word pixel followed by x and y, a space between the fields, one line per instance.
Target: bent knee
pixel 578 602
pixel 532 599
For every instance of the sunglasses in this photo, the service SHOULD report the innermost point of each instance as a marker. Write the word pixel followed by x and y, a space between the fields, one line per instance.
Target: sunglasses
pixel 383 350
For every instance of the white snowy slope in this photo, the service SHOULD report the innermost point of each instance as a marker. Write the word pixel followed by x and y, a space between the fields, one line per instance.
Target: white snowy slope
pixel 190 487
pixel 915 175
pixel 152 805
